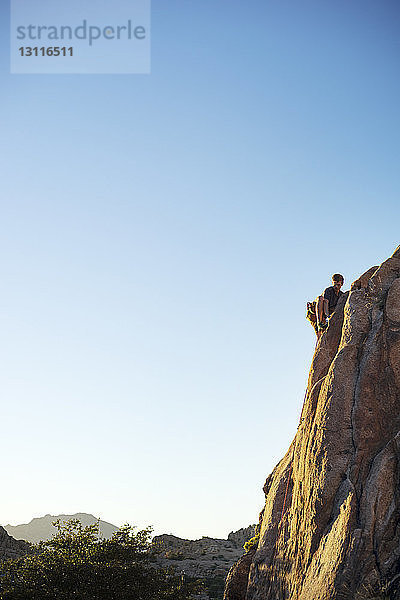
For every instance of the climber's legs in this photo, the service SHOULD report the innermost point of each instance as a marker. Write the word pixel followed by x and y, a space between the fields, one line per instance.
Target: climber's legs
pixel 321 310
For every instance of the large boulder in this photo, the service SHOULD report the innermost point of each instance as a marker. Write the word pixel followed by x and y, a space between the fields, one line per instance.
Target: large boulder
pixel 330 528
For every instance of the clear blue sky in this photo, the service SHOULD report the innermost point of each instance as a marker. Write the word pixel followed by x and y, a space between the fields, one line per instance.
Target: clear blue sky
pixel 160 236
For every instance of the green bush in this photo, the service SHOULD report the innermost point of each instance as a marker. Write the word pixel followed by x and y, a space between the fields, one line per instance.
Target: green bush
pixel 251 542
pixel 76 565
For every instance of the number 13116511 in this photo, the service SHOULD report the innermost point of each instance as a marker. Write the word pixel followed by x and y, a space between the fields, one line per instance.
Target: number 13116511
pixel 43 51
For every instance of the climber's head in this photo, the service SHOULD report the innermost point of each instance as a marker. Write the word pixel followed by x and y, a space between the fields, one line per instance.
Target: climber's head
pixel 337 281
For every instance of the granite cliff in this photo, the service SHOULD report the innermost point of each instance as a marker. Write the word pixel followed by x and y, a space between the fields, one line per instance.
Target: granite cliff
pixel 330 527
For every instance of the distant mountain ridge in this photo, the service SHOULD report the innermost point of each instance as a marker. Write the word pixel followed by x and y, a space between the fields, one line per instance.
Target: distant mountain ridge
pixel 41 528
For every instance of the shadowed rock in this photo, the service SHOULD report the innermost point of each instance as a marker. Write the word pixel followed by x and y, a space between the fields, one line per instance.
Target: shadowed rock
pixel 236 581
pixel 330 528
pixel 11 548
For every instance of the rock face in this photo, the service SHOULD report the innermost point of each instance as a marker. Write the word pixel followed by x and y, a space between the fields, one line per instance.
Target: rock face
pixel 330 528
pixel 10 548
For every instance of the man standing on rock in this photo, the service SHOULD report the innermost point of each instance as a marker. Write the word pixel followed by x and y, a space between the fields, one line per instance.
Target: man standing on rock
pixel 326 303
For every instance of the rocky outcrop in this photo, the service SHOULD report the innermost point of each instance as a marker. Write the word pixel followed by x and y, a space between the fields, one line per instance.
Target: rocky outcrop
pixel 241 536
pixel 207 557
pixel 203 558
pixel 11 548
pixel 330 528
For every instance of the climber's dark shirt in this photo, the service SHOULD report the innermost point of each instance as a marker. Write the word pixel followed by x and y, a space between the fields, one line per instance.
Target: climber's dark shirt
pixel 332 297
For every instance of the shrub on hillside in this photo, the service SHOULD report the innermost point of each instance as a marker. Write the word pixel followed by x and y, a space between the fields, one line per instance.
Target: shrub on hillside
pixel 76 565
pixel 251 542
